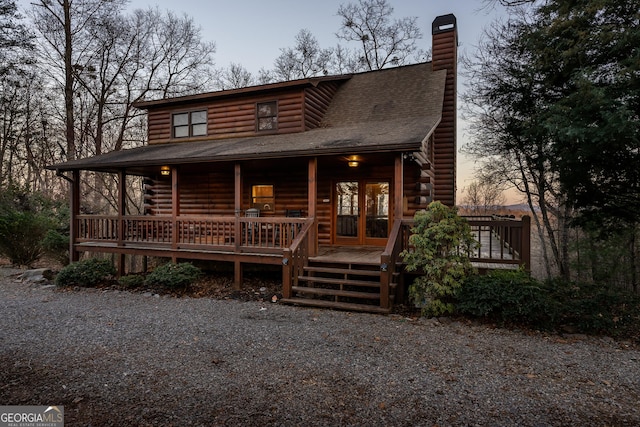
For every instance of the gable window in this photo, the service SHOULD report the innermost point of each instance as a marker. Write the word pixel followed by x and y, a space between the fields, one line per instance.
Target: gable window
pixel 267 113
pixel 191 123
pixel 262 197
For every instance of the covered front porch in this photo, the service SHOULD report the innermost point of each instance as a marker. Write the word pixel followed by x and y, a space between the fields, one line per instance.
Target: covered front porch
pixel 218 210
pixel 336 230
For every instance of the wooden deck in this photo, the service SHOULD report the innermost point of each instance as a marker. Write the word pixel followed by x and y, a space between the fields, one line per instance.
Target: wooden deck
pixel 366 255
pixel 366 278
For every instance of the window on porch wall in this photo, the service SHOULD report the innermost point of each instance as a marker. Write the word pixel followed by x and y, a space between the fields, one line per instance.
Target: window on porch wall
pixel 262 197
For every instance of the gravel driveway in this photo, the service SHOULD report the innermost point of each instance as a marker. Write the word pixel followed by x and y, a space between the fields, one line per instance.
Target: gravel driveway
pixel 119 358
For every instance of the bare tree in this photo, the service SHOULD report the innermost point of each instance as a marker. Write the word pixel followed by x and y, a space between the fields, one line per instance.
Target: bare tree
pixel 345 61
pixel 383 40
pixel 482 197
pixel 305 59
pixel 62 26
pixel 108 60
pixel 16 98
pixel 235 76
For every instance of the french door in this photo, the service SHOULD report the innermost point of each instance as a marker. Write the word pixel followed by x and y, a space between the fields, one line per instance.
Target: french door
pixel 361 212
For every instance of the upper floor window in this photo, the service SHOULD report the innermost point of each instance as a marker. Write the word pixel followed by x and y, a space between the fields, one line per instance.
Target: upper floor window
pixel 191 123
pixel 267 113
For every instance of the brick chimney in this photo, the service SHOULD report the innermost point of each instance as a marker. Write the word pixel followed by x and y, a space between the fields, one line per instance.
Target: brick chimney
pixel 445 56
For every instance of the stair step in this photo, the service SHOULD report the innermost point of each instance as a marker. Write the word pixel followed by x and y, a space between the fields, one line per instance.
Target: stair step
pixel 336 305
pixel 336 292
pixel 348 271
pixel 334 281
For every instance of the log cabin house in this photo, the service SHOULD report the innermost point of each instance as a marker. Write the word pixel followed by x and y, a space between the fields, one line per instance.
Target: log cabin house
pixel 320 176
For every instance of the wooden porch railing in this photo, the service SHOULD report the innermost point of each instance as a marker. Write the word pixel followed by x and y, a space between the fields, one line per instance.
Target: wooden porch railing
pixel 398 241
pixel 234 233
pixel 502 240
pixel 296 258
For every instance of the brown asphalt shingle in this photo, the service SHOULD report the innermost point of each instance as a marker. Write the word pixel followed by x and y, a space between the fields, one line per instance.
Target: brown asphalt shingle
pixel 379 111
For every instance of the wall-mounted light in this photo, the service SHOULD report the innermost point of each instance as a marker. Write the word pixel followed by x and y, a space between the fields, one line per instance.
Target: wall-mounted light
pixel 165 170
pixel 353 161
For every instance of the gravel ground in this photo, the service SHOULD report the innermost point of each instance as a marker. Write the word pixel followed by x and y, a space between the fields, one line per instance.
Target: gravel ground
pixel 119 358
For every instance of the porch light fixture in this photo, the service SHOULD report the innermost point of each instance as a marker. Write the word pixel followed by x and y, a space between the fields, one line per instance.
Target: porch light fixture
pixel 353 161
pixel 165 170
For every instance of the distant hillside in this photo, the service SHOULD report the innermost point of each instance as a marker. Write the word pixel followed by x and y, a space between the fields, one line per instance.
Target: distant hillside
pixel 517 210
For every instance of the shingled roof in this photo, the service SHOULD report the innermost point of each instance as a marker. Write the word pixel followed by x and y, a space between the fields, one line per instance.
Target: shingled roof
pixel 378 111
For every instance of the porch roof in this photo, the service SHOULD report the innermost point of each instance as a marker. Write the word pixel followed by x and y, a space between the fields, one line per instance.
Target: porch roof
pixel 380 111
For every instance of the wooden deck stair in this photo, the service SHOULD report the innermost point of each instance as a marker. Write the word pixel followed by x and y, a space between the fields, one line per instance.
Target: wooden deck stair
pixel 340 285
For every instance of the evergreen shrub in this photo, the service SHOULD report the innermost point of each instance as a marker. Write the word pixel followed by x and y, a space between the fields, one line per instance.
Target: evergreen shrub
pixel 25 220
pixel 87 273
pixel 174 276
pixel 132 281
pixel 441 242
pixel 508 297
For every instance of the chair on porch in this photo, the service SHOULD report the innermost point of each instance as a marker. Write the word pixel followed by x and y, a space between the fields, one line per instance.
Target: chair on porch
pixel 252 227
pixel 291 213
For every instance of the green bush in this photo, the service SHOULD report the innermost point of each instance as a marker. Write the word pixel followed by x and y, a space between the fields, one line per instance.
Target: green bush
pixel 56 245
pixel 442 242
pixel 508 296
pixel 596 308
pixel 132 281
pixel 25 220
pixel 21 236
pixel 89 272
pixel 173 275
pixel 513 297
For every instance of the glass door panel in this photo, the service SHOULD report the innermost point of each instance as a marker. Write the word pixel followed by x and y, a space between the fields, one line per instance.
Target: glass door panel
pixel 377 210
pixel 348 210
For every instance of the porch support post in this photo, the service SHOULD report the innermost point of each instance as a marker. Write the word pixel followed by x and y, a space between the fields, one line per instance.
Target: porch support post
pixel 525 255
pixel 237 265
pixel 122 200
pixel 74 207
pixel 312 203
pixel 398 187
pixel 175 212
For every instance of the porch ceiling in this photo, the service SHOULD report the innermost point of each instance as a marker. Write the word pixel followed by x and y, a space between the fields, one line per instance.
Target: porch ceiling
pixel 384 136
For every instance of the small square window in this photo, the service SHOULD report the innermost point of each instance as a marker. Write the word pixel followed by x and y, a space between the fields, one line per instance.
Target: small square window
pixel 267 115
pixel 262 197
pixel 193 123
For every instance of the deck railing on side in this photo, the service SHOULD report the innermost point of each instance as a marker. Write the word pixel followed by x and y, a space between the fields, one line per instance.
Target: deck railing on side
pixel 398 241
pixel 501 241
pixel 295 258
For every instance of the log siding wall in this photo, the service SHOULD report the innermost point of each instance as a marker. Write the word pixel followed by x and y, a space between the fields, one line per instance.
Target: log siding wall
pixel 212 193
pixel 316 102
pixel 298 111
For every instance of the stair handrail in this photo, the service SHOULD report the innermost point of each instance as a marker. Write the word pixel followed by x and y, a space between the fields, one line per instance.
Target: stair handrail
pixel 389 259
pixel 295 258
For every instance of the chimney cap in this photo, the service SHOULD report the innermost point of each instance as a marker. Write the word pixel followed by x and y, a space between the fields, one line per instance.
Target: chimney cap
pixel 443 23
